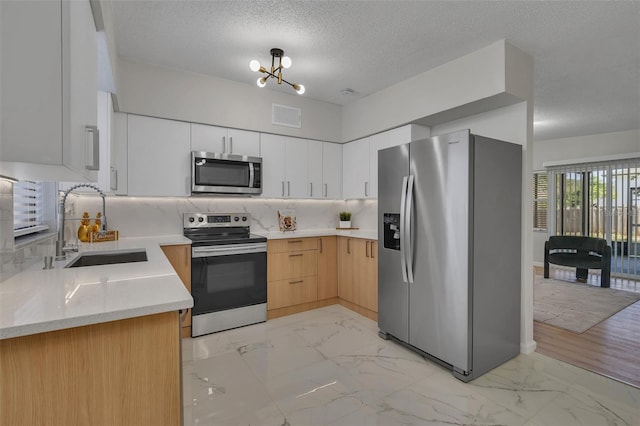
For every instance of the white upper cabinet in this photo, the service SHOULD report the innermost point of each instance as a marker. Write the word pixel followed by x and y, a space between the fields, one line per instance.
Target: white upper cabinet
pixel 119 151
pixel 332 171
pixel 355 169
pixel 285 167
pixel 226 141
pixel 273 178
pixel 159 161
pixel 315 160
pixel 296 167
pixel 360 159
pixel 49 90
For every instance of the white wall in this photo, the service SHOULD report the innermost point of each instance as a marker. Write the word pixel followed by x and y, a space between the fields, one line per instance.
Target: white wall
pixel 590 146
pixel 165 93
pixel 489 78
pixel 576 148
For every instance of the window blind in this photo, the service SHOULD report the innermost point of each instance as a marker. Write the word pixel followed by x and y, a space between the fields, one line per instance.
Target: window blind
pixel 540 200
pixel 28 208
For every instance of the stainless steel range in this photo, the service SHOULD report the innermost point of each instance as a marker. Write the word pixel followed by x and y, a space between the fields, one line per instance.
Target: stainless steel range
pixel 228 272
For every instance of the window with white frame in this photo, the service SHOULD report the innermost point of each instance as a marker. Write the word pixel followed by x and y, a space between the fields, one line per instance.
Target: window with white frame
pixel 540 200
pixel 28 208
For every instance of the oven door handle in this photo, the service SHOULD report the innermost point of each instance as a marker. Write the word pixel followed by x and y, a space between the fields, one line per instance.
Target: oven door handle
pixel 228 250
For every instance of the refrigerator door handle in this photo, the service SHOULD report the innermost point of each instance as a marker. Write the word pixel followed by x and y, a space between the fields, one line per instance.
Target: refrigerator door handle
pixel 403 222
pixel 408 233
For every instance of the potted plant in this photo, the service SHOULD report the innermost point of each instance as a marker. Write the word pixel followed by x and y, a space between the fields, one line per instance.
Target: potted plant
pixel 345 220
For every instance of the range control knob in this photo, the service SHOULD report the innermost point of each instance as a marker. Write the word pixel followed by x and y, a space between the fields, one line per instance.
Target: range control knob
pixel 244 218
pixel 236 218
pixel 201 219
pixel 191 219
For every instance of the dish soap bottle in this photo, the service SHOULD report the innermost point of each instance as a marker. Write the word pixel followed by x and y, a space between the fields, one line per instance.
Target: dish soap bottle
pixel 83 229
pixel 97 224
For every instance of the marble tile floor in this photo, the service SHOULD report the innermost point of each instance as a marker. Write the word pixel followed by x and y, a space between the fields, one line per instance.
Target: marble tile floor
pixel 329 367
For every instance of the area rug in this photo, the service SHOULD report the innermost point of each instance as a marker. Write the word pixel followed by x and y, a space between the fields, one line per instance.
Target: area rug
pixel 574 306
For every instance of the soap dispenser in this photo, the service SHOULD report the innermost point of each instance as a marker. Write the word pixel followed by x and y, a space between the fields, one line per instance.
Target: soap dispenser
pixel 97 225
pixel 83 229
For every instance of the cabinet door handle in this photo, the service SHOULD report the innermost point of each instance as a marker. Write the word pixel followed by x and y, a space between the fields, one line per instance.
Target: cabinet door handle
pixel 114 179
pixel 183 314
pixel 320 241
pixel 372 243
pixel 92 148
pixel 366 249
pixel 294 241
pixel 310 189
pixel 296 255
pixel 366 189
pixel 224 144
pixel 230 144
pixel 325 190
pixel 288 188
pixel 186 256
pixel 296 282
pixel 283 188
pixel 348 246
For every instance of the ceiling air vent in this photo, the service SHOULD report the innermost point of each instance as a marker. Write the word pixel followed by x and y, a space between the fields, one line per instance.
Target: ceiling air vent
pixel 286 116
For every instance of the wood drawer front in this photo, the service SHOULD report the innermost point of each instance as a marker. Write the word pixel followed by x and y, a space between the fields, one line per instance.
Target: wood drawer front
pixel 283 266
pixel 290 292
pixel 292 244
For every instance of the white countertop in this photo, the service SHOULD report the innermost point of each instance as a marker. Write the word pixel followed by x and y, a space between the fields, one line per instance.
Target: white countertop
pixel 369 234
pixel 36 300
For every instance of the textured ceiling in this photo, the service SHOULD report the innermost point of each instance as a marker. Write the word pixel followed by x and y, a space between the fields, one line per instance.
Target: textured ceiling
pixel 586 54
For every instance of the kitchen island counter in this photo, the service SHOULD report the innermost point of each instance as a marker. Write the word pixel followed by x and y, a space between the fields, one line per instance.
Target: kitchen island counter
pixel 39 300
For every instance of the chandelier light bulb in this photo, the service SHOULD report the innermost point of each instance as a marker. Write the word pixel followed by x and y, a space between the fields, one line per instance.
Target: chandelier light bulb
pixel 254 65
pixel 285 61
pixel 300 90
pixel 262 82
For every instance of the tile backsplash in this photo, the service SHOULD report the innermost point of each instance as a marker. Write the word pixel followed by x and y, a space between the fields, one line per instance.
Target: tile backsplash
pixel 142 216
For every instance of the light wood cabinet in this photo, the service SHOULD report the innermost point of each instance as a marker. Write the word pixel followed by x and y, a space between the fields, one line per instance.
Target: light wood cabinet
pixel 327 267
pixel 125 372
pixel 48 60
pixel 358 272
pixel 180 258
pixel 291 265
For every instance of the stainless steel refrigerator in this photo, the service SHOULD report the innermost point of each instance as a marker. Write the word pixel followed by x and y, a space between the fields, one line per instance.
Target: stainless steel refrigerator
pixel 449 217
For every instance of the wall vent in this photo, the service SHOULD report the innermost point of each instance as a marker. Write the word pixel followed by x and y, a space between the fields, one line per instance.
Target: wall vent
pixel 283 115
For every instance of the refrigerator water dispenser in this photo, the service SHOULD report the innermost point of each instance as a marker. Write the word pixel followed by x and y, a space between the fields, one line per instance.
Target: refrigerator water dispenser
pixel 391 231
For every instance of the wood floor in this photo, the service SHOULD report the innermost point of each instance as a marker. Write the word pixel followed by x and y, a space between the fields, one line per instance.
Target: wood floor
pixel 610 348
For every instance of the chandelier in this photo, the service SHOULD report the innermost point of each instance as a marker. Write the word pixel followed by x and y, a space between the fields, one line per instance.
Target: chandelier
pixel 276 71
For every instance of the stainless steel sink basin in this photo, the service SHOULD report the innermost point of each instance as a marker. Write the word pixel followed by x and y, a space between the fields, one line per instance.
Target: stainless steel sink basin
pixel 109 258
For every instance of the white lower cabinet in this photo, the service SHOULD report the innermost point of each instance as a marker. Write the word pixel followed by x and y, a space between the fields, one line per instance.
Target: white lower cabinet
pixel 159 161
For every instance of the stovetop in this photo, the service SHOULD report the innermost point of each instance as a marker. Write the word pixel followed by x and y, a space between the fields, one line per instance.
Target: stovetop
pixel 207 229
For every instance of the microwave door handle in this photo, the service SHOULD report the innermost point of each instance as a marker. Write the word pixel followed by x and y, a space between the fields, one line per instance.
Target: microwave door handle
pixel 252 175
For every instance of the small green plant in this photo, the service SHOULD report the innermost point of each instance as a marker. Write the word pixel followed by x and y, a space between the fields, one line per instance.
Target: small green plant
pixel 345 216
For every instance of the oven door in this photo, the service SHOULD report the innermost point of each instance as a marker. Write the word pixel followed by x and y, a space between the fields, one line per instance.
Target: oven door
pixel 228 276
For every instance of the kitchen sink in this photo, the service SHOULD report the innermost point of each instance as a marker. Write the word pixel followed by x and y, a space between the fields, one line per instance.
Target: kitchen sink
pixel 109 258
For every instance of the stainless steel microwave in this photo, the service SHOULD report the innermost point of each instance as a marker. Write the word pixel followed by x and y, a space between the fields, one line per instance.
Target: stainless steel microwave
pixel 217 173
